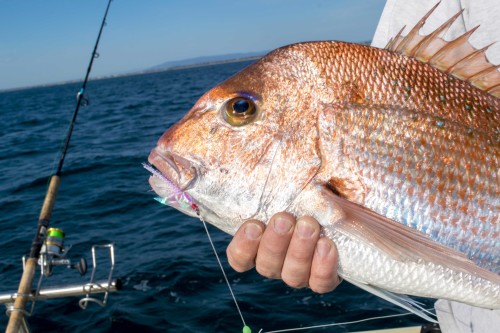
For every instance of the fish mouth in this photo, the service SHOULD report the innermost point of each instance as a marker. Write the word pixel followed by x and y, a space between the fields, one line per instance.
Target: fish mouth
pixel 177 170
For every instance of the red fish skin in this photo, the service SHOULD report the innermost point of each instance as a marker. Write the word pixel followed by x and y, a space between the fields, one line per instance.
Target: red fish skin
pixel 421 147
pixel 383 130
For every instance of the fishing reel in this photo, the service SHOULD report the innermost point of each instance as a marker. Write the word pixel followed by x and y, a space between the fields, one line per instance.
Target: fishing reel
pixel 53 253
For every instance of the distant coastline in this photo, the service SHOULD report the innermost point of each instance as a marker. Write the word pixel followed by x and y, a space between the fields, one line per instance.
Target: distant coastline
pixel 152 70
pixel 202 64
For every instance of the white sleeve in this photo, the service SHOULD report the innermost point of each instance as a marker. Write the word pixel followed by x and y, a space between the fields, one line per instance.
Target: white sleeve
pixel 457 317
pixel 486 13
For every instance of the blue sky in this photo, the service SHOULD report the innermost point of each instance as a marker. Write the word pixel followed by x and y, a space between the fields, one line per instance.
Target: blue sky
pixel 51 41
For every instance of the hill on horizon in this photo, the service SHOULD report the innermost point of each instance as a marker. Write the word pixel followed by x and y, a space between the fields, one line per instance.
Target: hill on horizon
pixel 206 60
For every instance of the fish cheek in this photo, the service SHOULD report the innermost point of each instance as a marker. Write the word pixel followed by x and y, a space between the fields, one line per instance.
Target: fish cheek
pixel 233 185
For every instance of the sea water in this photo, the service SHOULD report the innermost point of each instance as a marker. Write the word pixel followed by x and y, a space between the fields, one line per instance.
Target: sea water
pixel 171 280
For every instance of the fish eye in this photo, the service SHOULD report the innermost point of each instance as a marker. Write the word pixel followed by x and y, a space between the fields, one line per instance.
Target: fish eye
pixel 239 111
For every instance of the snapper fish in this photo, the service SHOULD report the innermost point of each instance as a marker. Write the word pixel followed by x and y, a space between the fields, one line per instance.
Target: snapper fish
pixel 394 151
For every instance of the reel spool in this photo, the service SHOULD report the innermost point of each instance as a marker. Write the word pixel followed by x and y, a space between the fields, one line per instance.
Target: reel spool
pixel 53 253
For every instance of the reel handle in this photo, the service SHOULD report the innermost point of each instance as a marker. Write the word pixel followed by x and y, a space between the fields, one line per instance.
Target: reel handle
pixel 81 266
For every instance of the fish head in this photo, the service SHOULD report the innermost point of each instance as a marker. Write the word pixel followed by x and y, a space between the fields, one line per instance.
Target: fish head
pixel 248 146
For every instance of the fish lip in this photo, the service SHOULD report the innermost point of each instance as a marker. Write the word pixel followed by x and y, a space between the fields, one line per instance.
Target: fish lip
pixel 180 171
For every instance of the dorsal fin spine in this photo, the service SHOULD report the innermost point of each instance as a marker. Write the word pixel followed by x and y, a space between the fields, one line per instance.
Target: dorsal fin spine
pixel 392 42
pixel 429 38
pixel 451 44
pixel 415 29
pixel 468 57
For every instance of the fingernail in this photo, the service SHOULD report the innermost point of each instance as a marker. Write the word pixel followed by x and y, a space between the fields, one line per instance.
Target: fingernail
pixel 323 247
pixel 304 229
pixel 253 231
pixel 282 225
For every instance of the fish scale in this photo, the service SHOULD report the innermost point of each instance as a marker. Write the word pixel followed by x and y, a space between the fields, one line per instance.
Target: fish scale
pixel 450 204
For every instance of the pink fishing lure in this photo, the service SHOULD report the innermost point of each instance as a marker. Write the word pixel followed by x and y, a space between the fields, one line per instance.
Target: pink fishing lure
pixel 178 199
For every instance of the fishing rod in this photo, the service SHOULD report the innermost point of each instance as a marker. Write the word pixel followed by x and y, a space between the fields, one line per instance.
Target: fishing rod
pixel 55 236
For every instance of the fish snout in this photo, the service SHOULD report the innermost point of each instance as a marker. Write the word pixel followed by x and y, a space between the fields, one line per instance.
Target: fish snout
pixel 175 168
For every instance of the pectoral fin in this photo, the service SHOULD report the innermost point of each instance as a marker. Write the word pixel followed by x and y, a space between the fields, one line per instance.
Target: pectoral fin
pixel 403 301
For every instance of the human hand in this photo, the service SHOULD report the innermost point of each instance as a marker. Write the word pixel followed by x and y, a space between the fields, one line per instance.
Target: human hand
pixel 289 249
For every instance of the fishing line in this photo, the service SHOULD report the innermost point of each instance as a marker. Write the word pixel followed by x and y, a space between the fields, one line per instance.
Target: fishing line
pixel 337 324
pixel 246 329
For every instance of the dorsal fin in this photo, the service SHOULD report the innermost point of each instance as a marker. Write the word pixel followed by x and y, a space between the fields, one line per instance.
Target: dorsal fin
pixel 457 57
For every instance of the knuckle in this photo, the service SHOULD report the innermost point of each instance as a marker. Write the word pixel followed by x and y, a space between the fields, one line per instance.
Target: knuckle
pixel 237 253
pixel 322 289
pixel 323 283
pixel 268 272
pixel 238 265
pixel 325 275
pixel 295 282
pixel 300 257
pixel 240 268
pixel 238 260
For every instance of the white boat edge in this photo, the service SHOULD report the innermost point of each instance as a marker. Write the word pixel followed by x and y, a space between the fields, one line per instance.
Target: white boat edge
pixel 412 329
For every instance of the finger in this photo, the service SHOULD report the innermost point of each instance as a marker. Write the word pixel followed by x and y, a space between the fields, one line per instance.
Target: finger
pixel 297 266
pixel 242 250
pixel 274 245
pixel 324 277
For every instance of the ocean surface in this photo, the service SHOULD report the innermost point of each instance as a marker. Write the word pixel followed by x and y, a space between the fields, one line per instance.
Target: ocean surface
pixel 171 279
